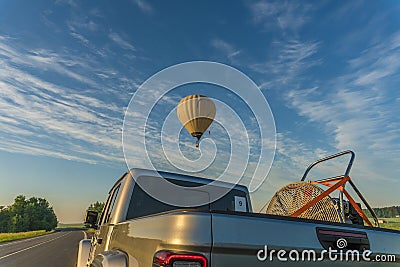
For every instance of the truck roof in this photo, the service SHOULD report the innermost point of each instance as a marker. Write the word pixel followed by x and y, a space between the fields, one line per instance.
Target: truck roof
pixel 137 172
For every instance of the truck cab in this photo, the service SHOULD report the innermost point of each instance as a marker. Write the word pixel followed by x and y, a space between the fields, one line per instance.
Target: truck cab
pixel 127 200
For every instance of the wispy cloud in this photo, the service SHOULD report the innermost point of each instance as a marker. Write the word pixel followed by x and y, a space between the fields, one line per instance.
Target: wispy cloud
pixel 361 112
pixel 366 93
pixel 121 41
pixel 71 3
pixel 82 39
pixel 83 23
pixel 377 62
pixel 227 49
pixel 286 66
pixel 357 110
pixel 284 15
pixel 42 117
pixel 144 6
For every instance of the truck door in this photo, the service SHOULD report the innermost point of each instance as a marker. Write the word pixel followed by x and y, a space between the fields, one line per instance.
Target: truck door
pixel 102 235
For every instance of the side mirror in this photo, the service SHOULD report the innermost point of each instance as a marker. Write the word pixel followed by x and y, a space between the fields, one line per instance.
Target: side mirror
pixel 91 218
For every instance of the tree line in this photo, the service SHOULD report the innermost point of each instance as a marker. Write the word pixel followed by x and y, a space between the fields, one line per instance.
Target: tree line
pixel 97 206
pixel 387 212
pixel 27 215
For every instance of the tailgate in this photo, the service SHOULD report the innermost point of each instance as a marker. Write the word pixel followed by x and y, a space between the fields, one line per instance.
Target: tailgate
pixel 239 237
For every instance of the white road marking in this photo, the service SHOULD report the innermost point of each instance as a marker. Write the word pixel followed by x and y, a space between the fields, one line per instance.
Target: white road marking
pixel 19 251
pixel 23 240
pixel 84 235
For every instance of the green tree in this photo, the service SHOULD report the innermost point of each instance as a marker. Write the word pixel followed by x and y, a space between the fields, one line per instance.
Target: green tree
pixel 387 212
pixel 97 206
pixel 19 222
pixel 27 215
pixel 40 215
pixel 5 220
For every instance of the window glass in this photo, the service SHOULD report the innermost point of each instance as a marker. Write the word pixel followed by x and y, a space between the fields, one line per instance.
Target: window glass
pixel 105 209
pixel 141 204
pixel 110 207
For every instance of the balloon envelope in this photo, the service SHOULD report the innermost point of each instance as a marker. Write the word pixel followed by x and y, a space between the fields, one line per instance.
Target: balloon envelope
pixel 196 113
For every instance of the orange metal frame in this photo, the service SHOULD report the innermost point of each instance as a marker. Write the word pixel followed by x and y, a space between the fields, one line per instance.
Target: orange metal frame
pixel 333 184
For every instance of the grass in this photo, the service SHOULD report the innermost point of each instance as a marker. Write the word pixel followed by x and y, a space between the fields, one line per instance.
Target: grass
pixel 4 237
pixel 91 230
pixel 393 223
pixel 71 225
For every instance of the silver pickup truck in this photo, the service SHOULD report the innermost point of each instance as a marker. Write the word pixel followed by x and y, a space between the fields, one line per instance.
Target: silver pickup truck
pixel 137 230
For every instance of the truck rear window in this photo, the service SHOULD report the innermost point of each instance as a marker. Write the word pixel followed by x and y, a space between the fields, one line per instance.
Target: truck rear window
pixel 142 204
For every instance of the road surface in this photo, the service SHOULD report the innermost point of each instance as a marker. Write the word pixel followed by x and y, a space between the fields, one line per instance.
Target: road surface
pixel 59 249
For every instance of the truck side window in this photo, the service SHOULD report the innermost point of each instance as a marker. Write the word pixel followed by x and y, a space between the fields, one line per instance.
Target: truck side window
pixel 110 205
pixel 142 204
pixel 105 209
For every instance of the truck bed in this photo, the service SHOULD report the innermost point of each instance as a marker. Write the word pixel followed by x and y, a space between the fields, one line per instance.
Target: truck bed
pixel 234 238
pixel 237 238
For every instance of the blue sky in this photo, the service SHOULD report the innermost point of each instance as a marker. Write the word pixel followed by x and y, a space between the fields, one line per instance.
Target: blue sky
pixel 330 71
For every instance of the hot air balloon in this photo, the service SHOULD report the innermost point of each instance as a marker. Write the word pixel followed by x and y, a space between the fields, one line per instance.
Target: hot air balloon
pixel 196 113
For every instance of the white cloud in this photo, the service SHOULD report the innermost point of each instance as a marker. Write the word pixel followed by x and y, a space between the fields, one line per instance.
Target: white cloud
pixel 227 49
pixel 286 67
pixel 71 3
pixel 358 110
pixel 285 15
pixel 144 6
pixel 86 24
pixel 41 117
pixel 378 62
pixel 361 112
pixel 80 38
pixel 120 41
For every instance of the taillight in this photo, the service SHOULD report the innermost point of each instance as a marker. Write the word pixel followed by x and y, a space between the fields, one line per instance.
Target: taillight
pixel 170 259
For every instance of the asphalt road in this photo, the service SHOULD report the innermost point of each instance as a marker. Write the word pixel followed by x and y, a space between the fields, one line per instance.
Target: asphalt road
pixel 59 249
